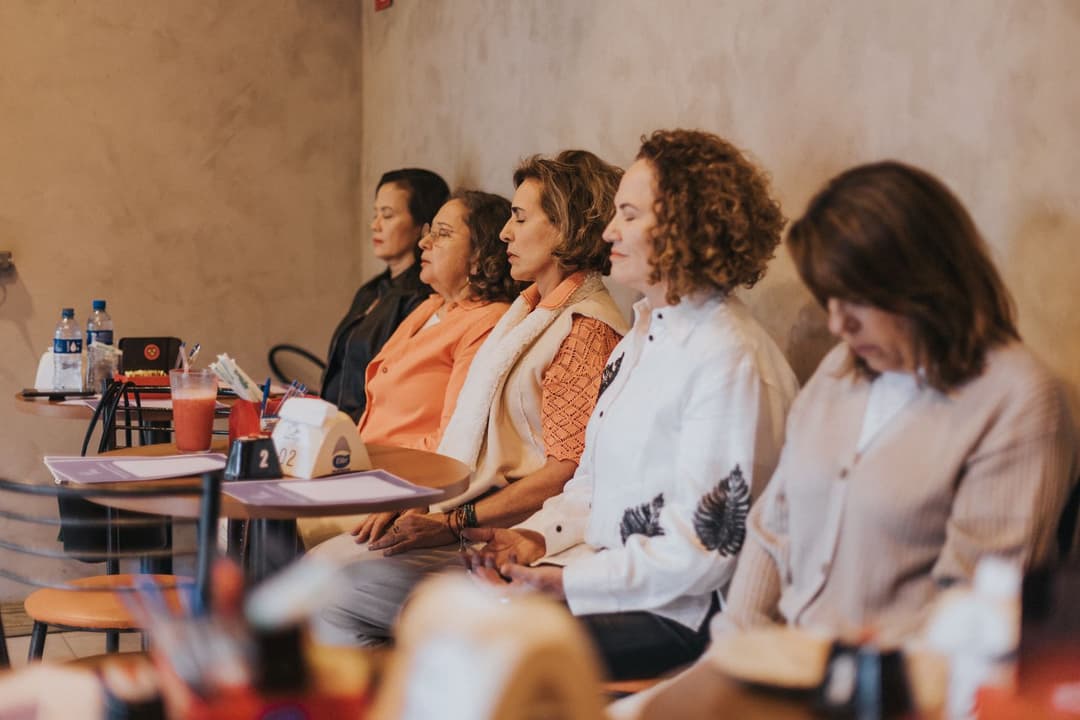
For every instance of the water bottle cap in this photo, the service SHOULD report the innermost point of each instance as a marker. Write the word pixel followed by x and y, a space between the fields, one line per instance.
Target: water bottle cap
pixel 67 313
pixel 99 304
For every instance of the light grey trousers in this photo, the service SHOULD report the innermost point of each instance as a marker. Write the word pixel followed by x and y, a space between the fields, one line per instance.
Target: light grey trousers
pixel 374 589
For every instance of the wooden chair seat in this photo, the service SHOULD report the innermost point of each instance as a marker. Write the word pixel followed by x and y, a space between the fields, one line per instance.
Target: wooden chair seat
pixel 100 610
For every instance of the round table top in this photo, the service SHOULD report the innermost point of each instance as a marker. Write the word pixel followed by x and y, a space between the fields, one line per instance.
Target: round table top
pixel 427 469
pixel 44 407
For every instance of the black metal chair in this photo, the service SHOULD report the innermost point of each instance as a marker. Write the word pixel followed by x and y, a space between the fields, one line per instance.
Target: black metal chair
pixel 287 349
pixel 95 603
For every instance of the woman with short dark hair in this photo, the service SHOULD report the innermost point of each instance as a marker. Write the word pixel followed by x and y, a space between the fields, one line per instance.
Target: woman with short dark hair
pixel 928 438
pixel 405 202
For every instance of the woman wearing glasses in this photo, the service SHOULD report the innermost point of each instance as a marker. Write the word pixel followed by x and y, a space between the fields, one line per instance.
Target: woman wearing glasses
pixel 412 384
pixel 405 202
pixel 520 418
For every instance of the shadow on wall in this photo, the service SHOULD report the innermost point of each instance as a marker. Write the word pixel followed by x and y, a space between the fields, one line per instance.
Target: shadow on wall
pixel 16 308
pixel 1044 288
pixel 808 340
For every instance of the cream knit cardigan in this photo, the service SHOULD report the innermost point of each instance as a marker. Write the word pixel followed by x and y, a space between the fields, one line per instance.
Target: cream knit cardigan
pixel 496 426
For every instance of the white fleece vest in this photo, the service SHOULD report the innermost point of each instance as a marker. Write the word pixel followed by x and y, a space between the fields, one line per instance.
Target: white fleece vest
pixel 496 426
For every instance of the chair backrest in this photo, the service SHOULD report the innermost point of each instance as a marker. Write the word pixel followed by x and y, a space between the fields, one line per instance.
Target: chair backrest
pixel 273 358
pixel 21 515
pixel 84 525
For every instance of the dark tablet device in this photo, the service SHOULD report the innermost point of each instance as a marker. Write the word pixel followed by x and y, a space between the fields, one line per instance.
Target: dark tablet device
pixel 57 394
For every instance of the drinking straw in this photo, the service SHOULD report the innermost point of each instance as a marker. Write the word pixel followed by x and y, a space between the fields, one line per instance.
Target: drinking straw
pixel 181 358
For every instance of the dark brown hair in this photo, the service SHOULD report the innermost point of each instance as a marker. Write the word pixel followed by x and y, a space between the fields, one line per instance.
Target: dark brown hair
pixel 489 266
pixel 577 193
pixel 894 237
pixel 427 193
pixel 717 225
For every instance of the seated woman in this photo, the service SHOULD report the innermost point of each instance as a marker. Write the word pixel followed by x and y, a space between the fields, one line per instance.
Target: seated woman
pixel 689 423
pixel 521 415
pixel 928 438
pixel 412 384
pixel 405 202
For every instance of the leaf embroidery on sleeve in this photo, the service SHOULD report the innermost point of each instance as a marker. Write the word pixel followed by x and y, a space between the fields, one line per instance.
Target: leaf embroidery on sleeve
pixel 720 519
pixel 610 371
pixel 643 519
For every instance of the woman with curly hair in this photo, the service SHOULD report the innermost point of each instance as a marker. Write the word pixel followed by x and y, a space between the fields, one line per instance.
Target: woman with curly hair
pixel 520 418
pixel 689 423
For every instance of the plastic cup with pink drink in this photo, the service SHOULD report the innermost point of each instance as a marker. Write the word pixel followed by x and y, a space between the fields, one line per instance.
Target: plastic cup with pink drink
pixel 194 399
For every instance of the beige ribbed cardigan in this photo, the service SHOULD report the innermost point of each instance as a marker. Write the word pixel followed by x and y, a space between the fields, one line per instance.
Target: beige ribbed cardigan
pixel 844 542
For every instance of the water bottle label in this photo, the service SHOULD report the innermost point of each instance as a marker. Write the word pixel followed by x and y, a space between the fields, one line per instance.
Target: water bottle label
pixel 105 337
pixel 66 347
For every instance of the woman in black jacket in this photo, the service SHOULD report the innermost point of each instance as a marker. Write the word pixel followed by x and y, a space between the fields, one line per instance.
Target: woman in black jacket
pixel 405 202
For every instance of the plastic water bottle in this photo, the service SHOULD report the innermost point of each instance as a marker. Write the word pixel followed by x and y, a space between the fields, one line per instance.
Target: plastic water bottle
pixel 99 328
pixel 67 353
pixel 100 363
pixel 979 631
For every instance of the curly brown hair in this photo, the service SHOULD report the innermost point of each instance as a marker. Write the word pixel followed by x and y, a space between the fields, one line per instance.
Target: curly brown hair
pixel 577 193
pixel 717 225
pixel 895 237
pixel 489 265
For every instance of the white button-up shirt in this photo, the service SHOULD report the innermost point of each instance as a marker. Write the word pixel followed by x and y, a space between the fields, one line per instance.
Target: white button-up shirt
pixel 687 429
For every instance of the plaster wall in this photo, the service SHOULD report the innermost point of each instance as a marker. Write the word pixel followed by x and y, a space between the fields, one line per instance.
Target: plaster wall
pixel 193 163
pixel 980 92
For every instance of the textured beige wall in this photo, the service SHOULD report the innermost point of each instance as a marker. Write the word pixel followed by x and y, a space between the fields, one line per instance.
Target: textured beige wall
pixel 194 163
pixel 981 92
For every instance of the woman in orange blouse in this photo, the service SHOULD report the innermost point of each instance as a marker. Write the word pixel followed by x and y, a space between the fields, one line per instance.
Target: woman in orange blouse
pixel 520 418
pixel 413 383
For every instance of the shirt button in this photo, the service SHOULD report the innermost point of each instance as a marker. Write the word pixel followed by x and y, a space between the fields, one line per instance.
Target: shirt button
pixel 843 473
pixel 601 413
pixel 558 528
pixel 660 316
pixel 650 338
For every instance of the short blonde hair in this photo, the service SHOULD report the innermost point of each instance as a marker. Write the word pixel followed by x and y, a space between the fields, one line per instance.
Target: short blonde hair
pixel 577 193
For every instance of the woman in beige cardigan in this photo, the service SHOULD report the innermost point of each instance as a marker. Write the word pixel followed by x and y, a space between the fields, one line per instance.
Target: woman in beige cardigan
pixel 929 438
pixel 520 418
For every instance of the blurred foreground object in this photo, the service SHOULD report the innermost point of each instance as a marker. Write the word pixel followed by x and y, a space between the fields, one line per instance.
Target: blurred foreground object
pixel 501 657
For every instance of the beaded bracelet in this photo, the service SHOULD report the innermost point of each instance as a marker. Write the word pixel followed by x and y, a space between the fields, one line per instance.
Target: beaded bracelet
pixel 469 511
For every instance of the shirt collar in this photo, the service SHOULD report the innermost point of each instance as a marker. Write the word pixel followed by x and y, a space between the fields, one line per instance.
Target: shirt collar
pixel 557 297
pixel 681 319
pixel 467 304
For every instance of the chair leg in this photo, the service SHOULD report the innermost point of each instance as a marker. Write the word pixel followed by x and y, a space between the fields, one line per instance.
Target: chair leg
pixel 5 661
pixel 37 641
pixel 112 642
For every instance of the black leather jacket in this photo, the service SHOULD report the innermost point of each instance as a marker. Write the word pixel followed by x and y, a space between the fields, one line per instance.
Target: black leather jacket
pixel 364 330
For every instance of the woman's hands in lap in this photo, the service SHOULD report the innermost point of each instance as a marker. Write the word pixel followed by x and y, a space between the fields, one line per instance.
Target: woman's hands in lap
pixel 504 547
pixel 413 530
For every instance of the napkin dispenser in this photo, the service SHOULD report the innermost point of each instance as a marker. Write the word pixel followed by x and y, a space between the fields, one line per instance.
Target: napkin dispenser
pixel 313 438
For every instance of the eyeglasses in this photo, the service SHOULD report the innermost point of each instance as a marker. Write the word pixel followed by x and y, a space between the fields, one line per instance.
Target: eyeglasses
pixel 439 235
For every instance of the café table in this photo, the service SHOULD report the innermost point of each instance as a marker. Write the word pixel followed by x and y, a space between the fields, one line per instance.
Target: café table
pixel 44 407
pixel 270 527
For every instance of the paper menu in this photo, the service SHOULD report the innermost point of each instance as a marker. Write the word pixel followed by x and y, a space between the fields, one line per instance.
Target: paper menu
pixel 101 469
pixel 347 489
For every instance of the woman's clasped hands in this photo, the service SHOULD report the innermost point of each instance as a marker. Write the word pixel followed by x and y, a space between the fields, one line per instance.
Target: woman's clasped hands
pixel 505 558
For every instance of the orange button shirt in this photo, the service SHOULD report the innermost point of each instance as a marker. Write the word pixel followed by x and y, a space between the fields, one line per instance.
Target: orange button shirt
pixel 413 383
